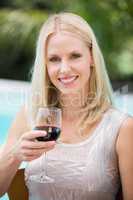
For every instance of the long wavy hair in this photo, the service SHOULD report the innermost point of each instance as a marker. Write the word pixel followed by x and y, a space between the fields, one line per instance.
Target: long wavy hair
pixel 43 92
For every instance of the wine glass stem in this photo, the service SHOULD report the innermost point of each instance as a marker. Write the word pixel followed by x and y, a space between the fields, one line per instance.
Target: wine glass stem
pixel 44 167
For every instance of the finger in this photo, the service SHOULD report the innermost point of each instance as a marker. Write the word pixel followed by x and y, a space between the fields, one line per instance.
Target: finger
pixel 37 145
pixel 34 134
pixel 30 158
pixel 33 153
pixel 38 153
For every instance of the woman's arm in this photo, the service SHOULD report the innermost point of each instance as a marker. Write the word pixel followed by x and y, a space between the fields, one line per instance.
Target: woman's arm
pixel 8 162
pixel 124 148
pixel 20 146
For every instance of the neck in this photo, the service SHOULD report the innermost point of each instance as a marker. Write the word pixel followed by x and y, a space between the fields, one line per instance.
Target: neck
pixel 73 104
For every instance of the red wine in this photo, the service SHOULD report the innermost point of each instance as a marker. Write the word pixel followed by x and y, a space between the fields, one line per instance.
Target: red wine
pixel 52 133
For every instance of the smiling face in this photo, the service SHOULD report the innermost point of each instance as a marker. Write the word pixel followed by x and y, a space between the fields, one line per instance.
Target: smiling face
pixel 68 62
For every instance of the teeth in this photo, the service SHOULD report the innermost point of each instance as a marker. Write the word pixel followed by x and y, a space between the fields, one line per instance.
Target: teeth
pixel 68 80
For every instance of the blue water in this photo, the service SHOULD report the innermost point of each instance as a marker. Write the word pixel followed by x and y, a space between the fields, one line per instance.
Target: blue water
pixel 5 121
pixel 10 103
pixel 8 112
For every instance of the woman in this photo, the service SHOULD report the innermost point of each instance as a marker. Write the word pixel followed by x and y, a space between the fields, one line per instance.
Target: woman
pixel 91 159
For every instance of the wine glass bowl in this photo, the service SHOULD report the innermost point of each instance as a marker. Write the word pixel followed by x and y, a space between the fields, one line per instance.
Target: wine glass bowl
pixel 49 120
pixel 53 133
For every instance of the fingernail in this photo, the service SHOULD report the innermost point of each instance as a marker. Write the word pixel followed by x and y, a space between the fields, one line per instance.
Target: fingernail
pixel 43 132
pixel 52 142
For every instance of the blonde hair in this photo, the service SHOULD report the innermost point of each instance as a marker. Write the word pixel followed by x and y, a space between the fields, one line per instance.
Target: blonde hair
pixel 100 85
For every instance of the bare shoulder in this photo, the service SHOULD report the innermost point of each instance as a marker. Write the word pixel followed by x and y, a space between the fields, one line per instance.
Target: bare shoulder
pixel 125 136
pixel 124 149
pixel 19 125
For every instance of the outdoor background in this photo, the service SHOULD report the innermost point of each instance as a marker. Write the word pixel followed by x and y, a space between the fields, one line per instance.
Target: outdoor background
pixel 20 21
pixel 111 20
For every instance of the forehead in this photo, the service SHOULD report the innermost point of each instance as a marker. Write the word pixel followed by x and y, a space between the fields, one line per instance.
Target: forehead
pixel 64 41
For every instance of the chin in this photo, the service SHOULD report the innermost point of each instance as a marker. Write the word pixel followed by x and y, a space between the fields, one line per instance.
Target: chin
pixel 70 91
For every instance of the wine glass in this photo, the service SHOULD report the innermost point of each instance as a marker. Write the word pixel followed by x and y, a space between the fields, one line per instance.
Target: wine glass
pixel 48 119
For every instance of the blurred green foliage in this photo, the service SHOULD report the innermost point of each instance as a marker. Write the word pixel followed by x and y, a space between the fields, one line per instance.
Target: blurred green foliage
pixel 20 21
pixel 18 37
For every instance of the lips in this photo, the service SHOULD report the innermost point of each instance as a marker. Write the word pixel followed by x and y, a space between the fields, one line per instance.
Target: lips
pixel 68 79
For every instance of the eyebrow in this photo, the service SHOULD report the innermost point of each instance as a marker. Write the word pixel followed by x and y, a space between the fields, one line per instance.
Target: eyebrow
pixel 52 55
pixel 72 52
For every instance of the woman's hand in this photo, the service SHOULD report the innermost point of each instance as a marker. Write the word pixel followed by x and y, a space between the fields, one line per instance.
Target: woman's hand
pixel 27 148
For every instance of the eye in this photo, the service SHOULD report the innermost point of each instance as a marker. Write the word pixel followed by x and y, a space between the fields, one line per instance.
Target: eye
pixel 75 55
pixel 54 59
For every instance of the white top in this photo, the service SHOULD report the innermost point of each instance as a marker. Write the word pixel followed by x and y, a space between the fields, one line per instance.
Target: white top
pixel 84 171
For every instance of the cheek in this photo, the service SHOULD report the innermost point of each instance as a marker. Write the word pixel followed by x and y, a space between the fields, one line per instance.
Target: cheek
pixel 84 69
pixel 52 73
pixel 50 76
pixel 85 74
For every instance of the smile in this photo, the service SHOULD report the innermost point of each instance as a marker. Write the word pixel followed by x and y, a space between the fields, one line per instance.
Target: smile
pixel 68 80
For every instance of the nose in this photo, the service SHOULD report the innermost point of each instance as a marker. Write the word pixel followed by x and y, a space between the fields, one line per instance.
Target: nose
pixel 64 67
